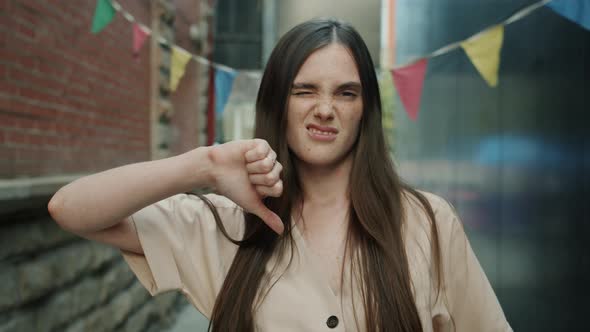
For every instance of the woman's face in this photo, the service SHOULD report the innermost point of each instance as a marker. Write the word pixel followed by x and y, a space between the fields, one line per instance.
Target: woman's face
pixel 325 107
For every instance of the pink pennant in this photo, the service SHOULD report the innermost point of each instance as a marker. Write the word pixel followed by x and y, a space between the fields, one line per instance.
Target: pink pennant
pixel 409 81
pixel 139 37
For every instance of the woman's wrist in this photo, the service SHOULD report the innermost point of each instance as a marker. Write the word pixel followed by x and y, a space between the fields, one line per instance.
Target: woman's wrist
pixel 197 168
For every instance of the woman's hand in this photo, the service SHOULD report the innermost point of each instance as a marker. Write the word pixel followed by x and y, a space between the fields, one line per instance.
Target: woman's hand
pixel 246 171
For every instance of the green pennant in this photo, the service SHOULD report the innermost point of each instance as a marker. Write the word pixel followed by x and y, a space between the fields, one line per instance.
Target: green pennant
pixel 103 15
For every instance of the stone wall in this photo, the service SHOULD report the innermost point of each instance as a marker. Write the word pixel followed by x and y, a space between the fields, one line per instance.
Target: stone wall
pixel 52 280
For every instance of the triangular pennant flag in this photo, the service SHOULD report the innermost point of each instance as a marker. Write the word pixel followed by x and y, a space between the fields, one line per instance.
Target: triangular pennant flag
pixel 575 10
pixel 179 60
pixel 139 37
pixel 408 82
pixel 484 53
pixel 103 15
pixel 224 80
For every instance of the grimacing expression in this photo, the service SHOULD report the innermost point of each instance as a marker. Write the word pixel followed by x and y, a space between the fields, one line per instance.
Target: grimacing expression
pixel 324 107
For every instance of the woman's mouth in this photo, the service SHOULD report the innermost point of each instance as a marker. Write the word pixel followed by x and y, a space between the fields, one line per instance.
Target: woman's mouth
pixel 322 133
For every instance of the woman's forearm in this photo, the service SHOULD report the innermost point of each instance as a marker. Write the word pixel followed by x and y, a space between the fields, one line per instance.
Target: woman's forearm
pixel 101 200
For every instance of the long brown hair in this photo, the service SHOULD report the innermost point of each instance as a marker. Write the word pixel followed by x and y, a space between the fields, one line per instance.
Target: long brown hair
pixel 376 196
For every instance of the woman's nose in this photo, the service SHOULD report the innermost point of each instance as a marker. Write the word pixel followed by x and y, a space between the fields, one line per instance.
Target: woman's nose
pixel 324 109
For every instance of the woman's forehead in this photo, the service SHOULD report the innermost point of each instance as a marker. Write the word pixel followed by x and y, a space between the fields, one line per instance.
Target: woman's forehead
pixel 330 63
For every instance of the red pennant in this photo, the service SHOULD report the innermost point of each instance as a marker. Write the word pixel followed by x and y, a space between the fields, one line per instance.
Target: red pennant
pixel 139 37
pixel 409 81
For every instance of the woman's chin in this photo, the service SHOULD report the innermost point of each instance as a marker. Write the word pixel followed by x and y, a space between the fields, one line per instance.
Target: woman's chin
pixel 322 160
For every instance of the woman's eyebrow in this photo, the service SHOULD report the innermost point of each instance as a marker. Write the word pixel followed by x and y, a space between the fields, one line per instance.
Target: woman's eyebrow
pixel 304 86
pixel 350 85
pixel 343 86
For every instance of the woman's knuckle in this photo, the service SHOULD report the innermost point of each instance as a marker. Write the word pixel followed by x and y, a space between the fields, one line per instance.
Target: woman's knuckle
pixel 278 187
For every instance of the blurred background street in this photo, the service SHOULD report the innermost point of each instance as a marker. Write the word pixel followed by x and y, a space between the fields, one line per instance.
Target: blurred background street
pixel 497 125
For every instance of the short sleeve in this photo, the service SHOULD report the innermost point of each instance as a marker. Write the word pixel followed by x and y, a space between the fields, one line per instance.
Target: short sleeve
pixel 467 296
pixel 183 247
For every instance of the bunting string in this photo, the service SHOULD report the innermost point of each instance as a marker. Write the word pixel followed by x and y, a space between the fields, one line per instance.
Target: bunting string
pixel 482 48
pixel 513 18
pixel 224 76
pixel 103 7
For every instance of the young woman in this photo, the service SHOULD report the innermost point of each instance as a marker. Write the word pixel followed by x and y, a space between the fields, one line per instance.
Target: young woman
pixel 311 229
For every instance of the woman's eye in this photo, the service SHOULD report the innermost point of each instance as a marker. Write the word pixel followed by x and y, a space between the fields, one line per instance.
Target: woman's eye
pixel 348 94
pixel 301 93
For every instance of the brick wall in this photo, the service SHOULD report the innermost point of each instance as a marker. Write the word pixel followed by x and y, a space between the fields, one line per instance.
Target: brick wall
pixel 70 101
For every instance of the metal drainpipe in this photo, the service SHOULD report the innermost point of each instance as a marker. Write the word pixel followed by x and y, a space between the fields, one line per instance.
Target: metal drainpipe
pixel 211 92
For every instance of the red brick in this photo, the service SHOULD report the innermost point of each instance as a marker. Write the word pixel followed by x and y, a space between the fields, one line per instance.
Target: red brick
pixel 74 93
pixel 4 5
pixel 8 88
pixel 16 137
pixel 20 33
pixel 26 76
pixel 8 56
pixel 30 6
pixel 27 61
pixel 36 139
pixel 30 18
pixel 26 154
pixel 7 121
pixel 26 31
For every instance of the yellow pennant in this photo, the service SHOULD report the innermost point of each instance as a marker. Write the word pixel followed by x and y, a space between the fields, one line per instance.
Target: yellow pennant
pixel 484 53
pixel 179 60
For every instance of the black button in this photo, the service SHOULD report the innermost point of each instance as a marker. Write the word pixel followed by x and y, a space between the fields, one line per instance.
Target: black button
pixel 332 322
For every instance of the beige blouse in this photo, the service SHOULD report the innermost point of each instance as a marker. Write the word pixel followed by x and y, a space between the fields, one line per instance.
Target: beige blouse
pixel 184 250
